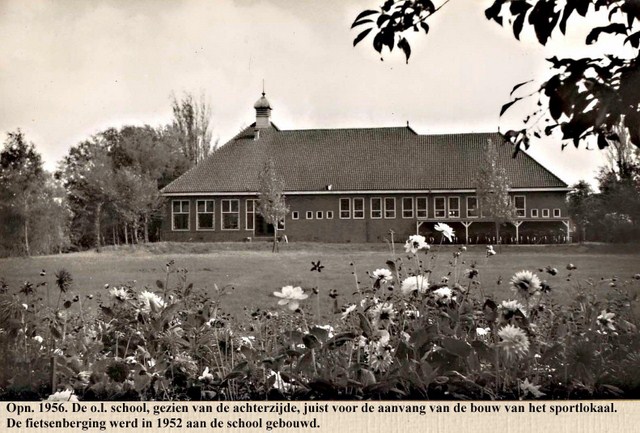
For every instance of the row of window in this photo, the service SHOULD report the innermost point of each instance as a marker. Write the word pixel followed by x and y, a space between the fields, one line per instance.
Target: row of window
pixel 205 214
pixel 349 208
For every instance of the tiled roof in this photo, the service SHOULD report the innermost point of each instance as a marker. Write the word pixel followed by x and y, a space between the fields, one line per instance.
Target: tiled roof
pixel 357 160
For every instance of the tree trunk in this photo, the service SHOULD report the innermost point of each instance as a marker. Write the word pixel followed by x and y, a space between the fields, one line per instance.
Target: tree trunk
pixel 275 239
pixel 584 233
pixel 26 236
pixel 126 234
pixel 497 233
pixel 146 229
pixel 96 225
pixel 134 229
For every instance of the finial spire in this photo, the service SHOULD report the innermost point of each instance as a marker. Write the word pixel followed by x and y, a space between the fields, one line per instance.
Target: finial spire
pixel 263 87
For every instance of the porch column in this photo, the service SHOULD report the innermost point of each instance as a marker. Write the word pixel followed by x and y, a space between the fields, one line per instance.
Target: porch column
pixel 517 224
pixel 466 225
pixel 567 224
pixel 418 224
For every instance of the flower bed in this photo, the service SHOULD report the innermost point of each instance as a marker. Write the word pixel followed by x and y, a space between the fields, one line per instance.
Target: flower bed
pixel 407 334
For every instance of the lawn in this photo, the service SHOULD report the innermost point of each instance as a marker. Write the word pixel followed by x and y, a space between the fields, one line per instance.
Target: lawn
pixel 254 272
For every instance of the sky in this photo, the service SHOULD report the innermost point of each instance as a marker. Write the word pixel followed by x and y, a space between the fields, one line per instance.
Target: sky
pixel 71 68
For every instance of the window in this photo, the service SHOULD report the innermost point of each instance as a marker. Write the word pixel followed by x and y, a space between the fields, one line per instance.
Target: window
pixel 231 214
pixel 389 207
pixel 358 208
pixel 534 213
pixel 329 215
pixel 319 215
pixel 454 207
pixel 345 208
pixel 309 214
pixel 205 212
pixel 439 207
pixel 545 213
pixel 250 214
pixel 376 208
pixel 520 203
pixel 421 207
pixel 407 207
pixel 180 214
pixel 472 207
pixel 295 215
pixel 556 213
pixel 281 224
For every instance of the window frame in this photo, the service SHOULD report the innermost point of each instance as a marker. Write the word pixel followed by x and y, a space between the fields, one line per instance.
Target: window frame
pixel 342 210
pixel 559 212
pixel 386 211
pixel 223 213
pixel 188 213
pixel 535 213
pixel 308 215
pixel 426 207
pixel 443 210
pixel 254 203
pixel 408 213
pixel 328 215
pixel 474 197
pixel 449 209
pixel 372 210
pixel 353 208
pixel 319 215
pixel 545 211
pixel 523 209
pixel 212 213
pixel 295 215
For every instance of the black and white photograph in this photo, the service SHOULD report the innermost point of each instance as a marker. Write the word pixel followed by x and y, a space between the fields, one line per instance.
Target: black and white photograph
pixel 390 201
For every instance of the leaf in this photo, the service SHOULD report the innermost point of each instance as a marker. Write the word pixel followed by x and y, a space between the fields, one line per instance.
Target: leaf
pixel 311 341
pixel 160 284
pixel 403 44
pixel 363 14
pixel 456 347
pixel 517 86
pixel 506 106
pixel 361 36
pixel 618 28
pixel 517 26
pixel 340 340
pixel 365 325
pixel 320 333
pixel 633 39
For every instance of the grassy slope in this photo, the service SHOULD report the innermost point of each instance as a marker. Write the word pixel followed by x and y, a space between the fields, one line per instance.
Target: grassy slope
pixel 255 272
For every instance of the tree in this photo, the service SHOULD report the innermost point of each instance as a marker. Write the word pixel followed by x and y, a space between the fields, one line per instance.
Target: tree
pixel 271 201
pixel 585 98
pixel 492 190
pixel 22 178
pixel 581 206
pixel 190 127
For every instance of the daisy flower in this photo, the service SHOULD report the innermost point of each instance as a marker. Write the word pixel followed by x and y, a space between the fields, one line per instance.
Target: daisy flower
pixel 119 293
pixel 490 251
pixel 526 284
pixel 513 342
pixel 150 301
pixel 380 357
pixel 382 275
pixel 529 388
pixel 350 309
pixel 416 243
pixel 291 296
pixel 382 315
pixel 443 294
pixel 414 284
pixel 66 395
pixel 206 376
pixel 605 320
pixel 483 332
pixel 446 230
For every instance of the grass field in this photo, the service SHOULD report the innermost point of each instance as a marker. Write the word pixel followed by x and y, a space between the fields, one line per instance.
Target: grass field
pixel 254 272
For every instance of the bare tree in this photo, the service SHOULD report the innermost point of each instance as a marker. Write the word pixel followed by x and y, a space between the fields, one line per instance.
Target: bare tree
pixel 191 126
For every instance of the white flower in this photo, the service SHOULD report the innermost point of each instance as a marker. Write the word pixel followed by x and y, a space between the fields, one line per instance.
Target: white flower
pixel 25 306
pixel 605 320
pixel 412 314
pixel 525 284
pixel 291 296
pixel 58 352
pixel 151 301
pixel 382 275
pixel 119 293
pixel 512 306
pixel 279 383
pixel 66 395
pixel 206 376
pixel 380 356
pixel 482 332
pixel 412 284
pixel 446 230
pixel 327 328
pixel 351 308
pixel 529 388
pixel 514 342
pixel 38 338
pixel 443 294
pixel 247 341
pixel 382 314
pixel 490 251
pixel 416 243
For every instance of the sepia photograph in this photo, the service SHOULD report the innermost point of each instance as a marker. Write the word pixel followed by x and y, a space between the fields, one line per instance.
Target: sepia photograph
pixel 297 202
